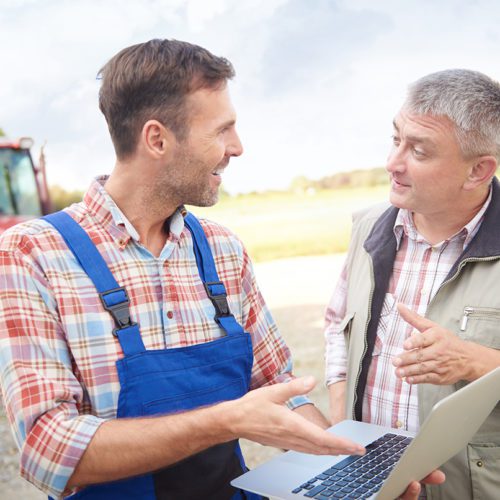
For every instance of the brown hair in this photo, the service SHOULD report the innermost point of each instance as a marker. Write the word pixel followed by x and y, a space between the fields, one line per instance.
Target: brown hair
pixel 151 81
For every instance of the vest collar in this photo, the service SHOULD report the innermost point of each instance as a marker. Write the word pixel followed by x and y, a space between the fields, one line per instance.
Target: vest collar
pixel 486 243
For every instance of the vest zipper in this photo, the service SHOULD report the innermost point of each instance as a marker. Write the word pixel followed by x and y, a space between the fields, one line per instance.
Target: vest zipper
pixel 369 317
pixel 478 312
pixel 465 318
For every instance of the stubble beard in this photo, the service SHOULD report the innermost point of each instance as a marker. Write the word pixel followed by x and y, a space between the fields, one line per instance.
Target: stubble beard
pixel 190 183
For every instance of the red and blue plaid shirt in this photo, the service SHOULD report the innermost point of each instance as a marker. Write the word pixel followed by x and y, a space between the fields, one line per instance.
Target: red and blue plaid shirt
pixel 418 271
pixel 57 350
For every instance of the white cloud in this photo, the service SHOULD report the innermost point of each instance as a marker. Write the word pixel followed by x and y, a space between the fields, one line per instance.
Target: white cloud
pixel 317 83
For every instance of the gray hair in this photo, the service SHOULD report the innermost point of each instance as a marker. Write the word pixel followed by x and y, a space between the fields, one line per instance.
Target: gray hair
pixel 471 100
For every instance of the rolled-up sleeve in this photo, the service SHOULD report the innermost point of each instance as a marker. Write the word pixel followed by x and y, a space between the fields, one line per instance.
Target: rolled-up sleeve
pixel 336 349
pixel 41 393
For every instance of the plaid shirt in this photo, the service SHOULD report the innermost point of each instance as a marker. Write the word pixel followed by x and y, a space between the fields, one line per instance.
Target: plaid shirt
pixel 57 352
pixel 418 271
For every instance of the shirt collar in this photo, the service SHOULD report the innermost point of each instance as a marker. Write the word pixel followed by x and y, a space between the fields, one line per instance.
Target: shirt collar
pixel 404 225
pixel 104 209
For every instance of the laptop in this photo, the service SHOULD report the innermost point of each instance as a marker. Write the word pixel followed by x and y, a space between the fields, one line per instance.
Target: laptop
pixel 394 458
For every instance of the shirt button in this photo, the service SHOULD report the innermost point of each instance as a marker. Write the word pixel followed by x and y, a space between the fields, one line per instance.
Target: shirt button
pixel 399 424
pixel 170 314
pixel 479 463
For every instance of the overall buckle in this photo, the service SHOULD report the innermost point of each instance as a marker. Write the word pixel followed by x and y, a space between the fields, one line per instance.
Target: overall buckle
pixel 120 311
pixel 219 301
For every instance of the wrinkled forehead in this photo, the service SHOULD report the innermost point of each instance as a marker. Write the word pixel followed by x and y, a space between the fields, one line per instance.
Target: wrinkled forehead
pixel 407 120
pixel 436 131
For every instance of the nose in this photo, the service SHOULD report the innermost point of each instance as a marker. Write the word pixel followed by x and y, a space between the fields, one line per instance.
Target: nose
pixel 395 160
pixel 234 148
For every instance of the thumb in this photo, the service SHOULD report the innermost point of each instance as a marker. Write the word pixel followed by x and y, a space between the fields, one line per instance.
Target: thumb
pixel 412 491
pixel 414 319
pixel 296 387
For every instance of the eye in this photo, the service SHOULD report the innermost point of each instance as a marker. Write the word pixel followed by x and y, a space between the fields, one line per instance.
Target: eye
pixel 396 141
pixel 418 152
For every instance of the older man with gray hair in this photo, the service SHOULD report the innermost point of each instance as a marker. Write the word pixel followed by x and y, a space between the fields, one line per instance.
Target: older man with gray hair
pixel 416 312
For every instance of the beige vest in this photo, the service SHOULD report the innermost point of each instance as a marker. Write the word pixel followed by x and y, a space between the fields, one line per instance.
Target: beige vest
pixel 475 472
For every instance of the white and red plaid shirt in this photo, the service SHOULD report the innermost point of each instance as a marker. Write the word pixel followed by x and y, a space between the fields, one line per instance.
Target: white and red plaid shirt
pixel 418 271
pixel 57 350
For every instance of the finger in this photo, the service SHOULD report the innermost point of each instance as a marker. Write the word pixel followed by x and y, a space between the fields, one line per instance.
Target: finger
pixel 324 440
pixel 416 341
pixel 407 359
pixel 302 435
pixel 416 368
pixel 281 393
pixel 435 477
pixel 414 488
pixel 421 340
pixel 414 356
pixel 414 319
pixel 426 378
pixel 412 491
pixel 341 446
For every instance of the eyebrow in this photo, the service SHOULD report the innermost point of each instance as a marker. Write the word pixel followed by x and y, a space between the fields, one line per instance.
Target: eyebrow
pixel 227 123
pixel 413 138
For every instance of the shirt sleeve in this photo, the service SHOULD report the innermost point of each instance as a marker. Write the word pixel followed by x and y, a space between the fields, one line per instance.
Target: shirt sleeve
pixel 41 393
pixel 336 351
pixel 272 358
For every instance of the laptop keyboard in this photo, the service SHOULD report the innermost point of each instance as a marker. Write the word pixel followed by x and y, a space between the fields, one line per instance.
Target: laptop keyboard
pixel 357 477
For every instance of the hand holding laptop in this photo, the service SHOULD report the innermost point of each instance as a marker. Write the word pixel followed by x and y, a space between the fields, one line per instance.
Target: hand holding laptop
pixel 414 489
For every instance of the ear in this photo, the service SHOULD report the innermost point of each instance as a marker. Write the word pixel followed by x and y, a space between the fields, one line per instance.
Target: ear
pixel 481 172
pixel 156 139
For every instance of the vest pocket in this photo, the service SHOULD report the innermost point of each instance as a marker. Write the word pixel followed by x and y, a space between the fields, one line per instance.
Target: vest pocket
pixel 345 326
pixel 484 466
pixel 481 325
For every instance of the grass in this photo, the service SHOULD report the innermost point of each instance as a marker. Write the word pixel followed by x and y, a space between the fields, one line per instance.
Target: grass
pixel 280 225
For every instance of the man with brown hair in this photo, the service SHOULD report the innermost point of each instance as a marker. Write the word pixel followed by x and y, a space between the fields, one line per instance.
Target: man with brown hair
pixel 135 343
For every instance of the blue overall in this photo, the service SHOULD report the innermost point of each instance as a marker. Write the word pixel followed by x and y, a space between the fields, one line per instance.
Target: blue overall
pixel 159 382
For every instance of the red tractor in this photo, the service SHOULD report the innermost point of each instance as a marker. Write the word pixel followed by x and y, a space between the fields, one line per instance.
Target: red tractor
pixel 23 185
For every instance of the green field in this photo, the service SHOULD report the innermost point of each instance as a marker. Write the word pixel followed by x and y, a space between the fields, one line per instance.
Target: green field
pixel 280 225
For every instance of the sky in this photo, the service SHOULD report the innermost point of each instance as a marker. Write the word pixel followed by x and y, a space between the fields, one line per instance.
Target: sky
pixel 317 84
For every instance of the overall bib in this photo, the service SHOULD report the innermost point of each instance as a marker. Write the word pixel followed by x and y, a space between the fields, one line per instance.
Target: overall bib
pixel 159 382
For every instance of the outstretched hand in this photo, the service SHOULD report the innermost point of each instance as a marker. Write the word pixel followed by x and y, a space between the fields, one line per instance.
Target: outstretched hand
pixel 265 418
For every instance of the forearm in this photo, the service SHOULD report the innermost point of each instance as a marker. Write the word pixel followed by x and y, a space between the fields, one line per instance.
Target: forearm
pixel 127 447
pixel 311 413
pixel 337 401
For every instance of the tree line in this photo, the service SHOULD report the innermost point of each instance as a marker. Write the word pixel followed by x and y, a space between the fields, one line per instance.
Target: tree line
pixel 353 179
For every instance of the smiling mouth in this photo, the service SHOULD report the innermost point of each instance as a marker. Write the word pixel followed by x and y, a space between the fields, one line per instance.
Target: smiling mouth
pixel 218 172
pixel 220 169
pixel 399 184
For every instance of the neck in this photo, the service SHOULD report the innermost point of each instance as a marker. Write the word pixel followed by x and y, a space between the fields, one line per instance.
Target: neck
pixel 439 226
pixel 141 204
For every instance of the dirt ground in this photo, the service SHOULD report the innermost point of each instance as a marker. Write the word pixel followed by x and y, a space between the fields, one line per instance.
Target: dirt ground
pixel 297 291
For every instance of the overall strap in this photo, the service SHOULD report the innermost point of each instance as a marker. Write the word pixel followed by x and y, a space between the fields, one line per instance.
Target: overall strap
pixel 215 289
pixel 113 296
